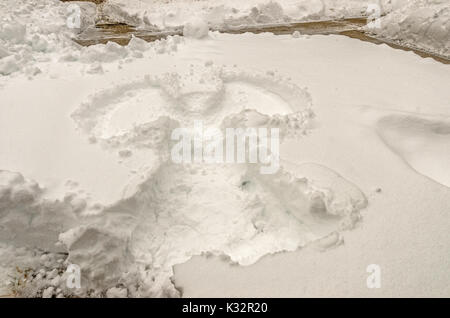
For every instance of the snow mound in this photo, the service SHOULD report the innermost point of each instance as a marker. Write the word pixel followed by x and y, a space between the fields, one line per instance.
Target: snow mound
pixel 15 190
pixel 118 13
pixel 196 28
pixel 103 53
pixel 420 24
pixel 424 144
pixel 27 218
pixel 38 31
pixel 225 13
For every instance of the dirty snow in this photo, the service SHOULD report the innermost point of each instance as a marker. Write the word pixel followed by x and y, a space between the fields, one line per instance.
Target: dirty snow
pixel 422 24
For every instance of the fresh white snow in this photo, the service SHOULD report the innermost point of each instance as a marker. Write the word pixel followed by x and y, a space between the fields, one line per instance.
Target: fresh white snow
pixel 423 24
pixel 86 176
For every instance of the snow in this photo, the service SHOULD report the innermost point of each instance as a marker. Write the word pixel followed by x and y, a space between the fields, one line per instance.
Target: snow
pixel 421 24
pixel 196 29
pixel 164 14
pixel 86 167
pixel 116 293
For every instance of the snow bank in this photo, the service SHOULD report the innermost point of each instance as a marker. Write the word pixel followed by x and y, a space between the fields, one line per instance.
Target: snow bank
pixel 27 218
pixel 35 31
pixel 419 23
pixel 33 34
pixel 222 13
pixel 196 28
pixel 423 24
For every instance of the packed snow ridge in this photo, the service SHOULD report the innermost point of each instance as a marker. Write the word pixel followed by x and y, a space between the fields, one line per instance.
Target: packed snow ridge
pixel 222 209
pixel 25 40
pixel 422 24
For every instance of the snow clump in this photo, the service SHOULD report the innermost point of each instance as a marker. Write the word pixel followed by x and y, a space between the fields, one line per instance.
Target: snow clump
pixel 196 28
